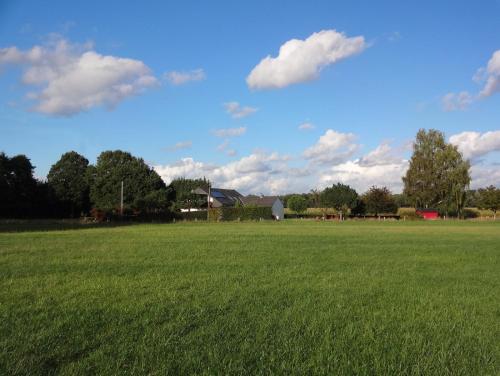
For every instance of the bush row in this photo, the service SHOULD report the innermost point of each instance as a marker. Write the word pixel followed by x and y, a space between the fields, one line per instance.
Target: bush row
pixel 246 213
pixel 200 215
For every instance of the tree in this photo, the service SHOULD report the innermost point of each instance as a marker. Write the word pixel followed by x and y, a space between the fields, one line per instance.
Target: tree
pixel 401 200
pixel 437 175
pixel 68 178
pixel 339 196
pixel 139 180
pixel 315 197
pixel 17 186
pixel 297 203
pixel 379 200
pixel 182 192
pixel 489 198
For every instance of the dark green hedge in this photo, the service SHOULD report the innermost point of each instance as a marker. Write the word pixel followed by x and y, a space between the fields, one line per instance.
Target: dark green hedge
pixel 245 213
pixel 192 216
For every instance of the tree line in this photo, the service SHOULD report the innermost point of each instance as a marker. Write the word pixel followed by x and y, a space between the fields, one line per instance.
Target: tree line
pixel 438 177
pixel 75 188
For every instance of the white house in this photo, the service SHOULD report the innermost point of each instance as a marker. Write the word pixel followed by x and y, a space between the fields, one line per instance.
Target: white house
pixel 273 202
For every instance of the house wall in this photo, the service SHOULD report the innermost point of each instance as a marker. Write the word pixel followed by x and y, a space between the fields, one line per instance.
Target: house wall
pixel 278 210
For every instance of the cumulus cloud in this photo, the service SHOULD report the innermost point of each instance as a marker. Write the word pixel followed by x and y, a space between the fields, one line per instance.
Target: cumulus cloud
pixel 362 177
pixel 382 155
pixel 485 175
pixel 229 132
pixel 70 78
pixel 257 172
pixel 180 145
pixel 237 111
pixel 382 166
pixel 332 148
pixel 491 78
pixel 474 144
pixel 183 77
pixel 457 101
pixel 306 126
pixel 274 173
pixel 302 60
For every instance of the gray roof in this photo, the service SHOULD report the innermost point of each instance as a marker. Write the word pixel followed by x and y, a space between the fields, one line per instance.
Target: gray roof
pixel 266 201
pixel 227 197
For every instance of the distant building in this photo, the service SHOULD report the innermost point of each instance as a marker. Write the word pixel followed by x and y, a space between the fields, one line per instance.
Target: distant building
pixel 428 213
pixel 220 197
pixel 272 202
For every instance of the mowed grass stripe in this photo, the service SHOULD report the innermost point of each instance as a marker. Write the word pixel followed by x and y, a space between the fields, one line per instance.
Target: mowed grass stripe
pixel 292 297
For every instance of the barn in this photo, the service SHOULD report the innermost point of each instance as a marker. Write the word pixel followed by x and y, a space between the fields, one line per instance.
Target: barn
pixel 430 214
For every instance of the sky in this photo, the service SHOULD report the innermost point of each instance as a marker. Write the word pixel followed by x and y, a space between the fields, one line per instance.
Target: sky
pixel 263 97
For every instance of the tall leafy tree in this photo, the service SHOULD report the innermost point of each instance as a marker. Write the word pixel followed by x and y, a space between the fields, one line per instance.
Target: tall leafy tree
pixel 489 198
pixel 68 178
pixel 143 187
pixel 17 186
pixel 437 175
pixel 183 196
pixel 379 200
pixel 297 203
pixel 339 196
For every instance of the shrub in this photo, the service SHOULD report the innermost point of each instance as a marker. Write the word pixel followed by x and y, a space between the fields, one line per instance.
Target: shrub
pixel 244 213
pixel 470 213
pixel 409 213
pixel 200 215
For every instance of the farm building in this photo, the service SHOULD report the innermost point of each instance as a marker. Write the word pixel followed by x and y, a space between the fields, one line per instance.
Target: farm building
pixel 428 213
pixel 220 197
pixel 266 201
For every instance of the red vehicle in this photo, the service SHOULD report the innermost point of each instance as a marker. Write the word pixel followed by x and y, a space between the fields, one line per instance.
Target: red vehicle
pixel 428 213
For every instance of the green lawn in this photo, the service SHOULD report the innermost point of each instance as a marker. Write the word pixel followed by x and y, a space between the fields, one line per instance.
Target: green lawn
pixel 296 297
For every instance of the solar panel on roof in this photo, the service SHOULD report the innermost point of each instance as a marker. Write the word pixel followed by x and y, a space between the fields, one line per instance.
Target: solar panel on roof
pixel 217 194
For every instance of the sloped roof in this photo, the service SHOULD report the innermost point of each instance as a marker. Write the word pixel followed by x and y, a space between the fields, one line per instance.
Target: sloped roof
pixel 227 197
pixel 266 201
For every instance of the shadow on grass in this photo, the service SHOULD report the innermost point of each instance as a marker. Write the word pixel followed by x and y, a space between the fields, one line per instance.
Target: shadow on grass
pixel 30 225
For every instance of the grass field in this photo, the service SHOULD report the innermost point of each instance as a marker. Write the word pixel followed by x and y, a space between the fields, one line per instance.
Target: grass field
pixel 299 297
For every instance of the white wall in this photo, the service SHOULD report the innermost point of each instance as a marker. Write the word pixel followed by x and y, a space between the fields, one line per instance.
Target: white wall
pixel 278 210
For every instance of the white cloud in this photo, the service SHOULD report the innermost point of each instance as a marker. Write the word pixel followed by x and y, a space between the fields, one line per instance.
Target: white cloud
pixel 237 111
pixel 485 175
pixel 229 132
pixel 255 173
pixel 382 155
pixel 71 78
pixel 180 145
pixel 457 101
pixel 492 76
pixel 302 60
pixel 224 148
pixel 306 126
pixel 474 144
pixel 183 77
pixel 273 173
pixel 332 148
pixel 381 167
pixel 362 177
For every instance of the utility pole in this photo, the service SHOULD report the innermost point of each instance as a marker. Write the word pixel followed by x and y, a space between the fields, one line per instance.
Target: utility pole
pixel 121 201
pixel 208 202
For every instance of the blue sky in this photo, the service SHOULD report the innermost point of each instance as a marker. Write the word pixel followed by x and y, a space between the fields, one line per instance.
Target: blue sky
pixel 158 80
